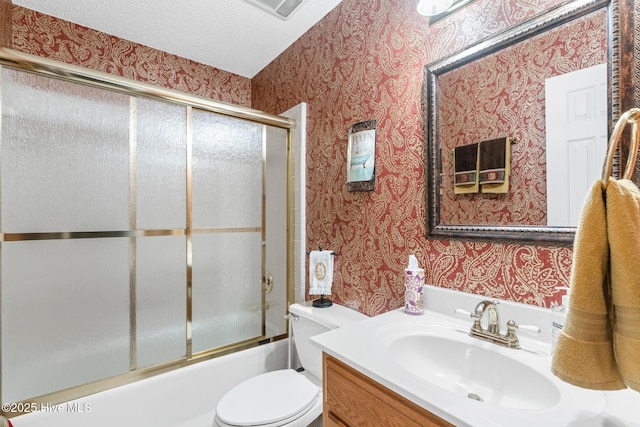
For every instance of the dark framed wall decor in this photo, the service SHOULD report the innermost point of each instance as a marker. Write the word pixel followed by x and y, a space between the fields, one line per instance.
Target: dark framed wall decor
pixel 361 156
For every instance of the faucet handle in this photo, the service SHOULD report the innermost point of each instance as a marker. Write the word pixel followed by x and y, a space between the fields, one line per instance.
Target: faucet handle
pixel 530 329
pixel 512 338
pixel 477 327
pixel 464 313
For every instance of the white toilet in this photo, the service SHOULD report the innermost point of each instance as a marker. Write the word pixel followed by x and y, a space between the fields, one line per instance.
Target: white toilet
pixel 287 397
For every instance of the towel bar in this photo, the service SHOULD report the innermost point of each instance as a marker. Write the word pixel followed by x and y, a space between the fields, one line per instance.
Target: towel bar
pixel 323 302
pixel 320 249
pixel 631 116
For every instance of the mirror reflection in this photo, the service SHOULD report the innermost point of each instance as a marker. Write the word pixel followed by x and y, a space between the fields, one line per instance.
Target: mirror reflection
pixel 544 87
pixel 503 95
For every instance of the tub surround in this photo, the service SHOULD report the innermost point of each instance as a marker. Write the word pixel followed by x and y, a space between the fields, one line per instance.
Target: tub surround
pixel 362 347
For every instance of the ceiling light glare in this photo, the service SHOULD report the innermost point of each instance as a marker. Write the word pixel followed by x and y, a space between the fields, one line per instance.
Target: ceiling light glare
pixel 433 7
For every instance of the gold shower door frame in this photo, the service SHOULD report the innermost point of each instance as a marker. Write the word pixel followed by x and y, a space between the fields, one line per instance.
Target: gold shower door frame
pixel 46 67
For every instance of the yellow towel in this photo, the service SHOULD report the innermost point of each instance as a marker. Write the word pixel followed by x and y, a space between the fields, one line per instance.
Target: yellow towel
pixel 465 164
pixel 584 351
pixel 623 229
pixel 494 165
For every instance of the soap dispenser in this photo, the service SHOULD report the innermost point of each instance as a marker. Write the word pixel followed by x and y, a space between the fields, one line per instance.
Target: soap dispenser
pixel 558 316
pixel 414 287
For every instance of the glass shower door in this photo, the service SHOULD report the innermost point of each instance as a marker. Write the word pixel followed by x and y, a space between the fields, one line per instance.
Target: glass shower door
pixel 134 233
pixel 227 209
pixel 65 171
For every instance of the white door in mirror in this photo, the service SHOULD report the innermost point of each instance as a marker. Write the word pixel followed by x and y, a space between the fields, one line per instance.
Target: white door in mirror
pixel 576 135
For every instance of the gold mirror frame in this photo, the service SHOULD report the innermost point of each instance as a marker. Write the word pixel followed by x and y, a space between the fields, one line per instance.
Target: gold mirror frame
pixel 620 46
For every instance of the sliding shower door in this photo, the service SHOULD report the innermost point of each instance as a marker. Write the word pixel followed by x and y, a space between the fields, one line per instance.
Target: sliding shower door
pixel 227 230
pixel 136 234
pixel 64 174
pixel 158 147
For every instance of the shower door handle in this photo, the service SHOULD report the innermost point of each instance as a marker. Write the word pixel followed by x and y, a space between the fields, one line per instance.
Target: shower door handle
pixel 267 283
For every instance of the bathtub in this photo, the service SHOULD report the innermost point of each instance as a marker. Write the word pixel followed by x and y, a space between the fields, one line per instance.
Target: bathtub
pixel 185 397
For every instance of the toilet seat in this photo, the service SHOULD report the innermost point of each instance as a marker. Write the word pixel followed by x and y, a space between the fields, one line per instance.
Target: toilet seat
pixel 268 400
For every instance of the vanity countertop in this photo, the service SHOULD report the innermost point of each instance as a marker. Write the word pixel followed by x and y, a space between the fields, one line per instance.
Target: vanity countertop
pixel 364 346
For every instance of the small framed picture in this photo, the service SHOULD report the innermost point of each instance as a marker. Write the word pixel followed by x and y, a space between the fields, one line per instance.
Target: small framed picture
pixel 361 157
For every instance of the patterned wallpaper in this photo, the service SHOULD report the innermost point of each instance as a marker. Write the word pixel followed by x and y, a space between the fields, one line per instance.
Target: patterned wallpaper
pixel 50 37
pixel 365 61
pixel 506 92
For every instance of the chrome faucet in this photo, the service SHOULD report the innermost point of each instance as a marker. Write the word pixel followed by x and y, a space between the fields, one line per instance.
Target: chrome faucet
pixel 492 332
pixel 493 320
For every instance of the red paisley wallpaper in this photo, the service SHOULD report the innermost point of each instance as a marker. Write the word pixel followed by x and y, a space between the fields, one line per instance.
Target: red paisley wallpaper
pixel 506 93
pixel 50 37
pixel 363 61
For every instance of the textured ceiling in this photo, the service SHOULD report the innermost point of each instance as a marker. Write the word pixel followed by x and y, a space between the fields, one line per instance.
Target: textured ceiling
pixel 232 35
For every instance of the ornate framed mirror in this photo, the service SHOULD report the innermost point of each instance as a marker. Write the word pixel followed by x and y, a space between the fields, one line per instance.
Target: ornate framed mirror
pixel 496 89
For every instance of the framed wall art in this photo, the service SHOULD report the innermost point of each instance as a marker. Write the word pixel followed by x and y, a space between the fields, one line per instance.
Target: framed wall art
pixel 361 156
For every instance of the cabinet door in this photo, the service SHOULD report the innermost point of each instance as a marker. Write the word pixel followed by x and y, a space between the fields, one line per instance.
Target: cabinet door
pixel 330 420
pixel 353 399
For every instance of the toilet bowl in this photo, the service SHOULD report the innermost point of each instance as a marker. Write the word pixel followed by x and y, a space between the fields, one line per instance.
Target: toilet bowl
pixel 286 397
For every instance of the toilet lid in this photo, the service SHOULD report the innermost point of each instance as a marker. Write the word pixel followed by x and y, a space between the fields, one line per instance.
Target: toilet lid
pixel 268 398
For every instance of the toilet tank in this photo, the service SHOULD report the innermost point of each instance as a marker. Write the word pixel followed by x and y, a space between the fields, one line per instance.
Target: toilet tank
pixel 312 321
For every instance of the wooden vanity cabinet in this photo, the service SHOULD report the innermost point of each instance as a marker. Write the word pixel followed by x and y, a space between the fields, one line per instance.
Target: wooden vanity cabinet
pixel 352 399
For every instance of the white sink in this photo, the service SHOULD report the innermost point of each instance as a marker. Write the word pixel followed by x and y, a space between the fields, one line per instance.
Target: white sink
pixel 433 362
pixel 470 368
